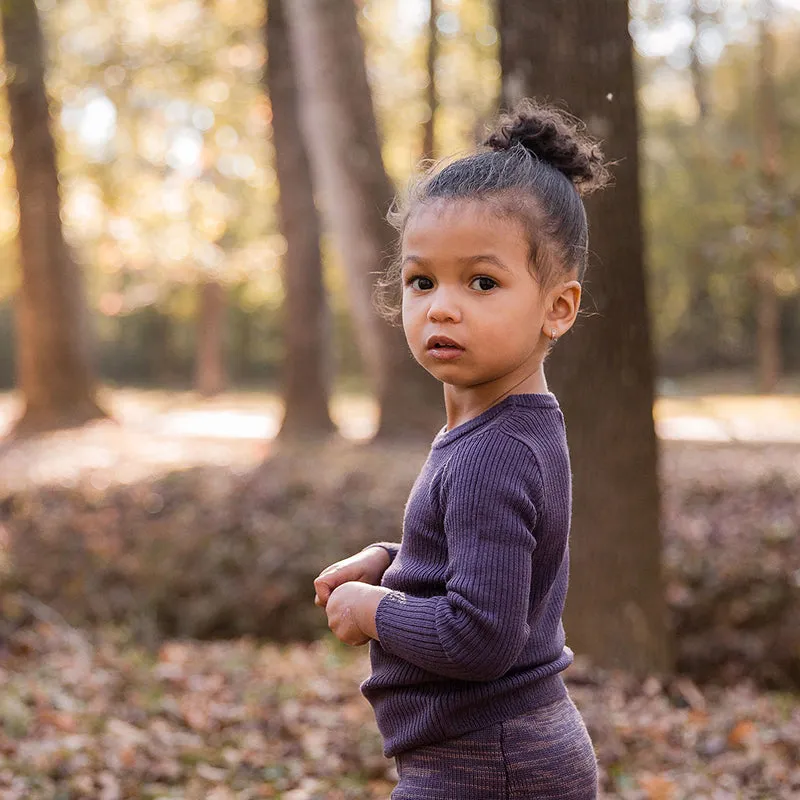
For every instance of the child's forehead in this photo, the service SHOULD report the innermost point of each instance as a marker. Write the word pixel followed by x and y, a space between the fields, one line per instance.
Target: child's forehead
pixel 442 209
pixel 473 218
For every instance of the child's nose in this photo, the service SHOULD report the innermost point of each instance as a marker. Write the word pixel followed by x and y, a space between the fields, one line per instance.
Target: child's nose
pixel 443 307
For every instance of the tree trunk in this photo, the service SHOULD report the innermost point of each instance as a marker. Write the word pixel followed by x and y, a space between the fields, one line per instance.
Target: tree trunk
pixel 429 128
pixel 338 122
pixel 701 325
pixel 159 341
pixel 700 83
pixel 616 614
pixel 306 315
pixel 241 355
pixel 53 361
pixel 210 378
pixel 768 303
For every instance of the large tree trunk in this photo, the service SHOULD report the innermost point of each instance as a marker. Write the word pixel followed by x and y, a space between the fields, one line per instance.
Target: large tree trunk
pixel 53 362
pixel 210 376
pixel 768 303
pixel 603 370
pixel 341 134
pixel 306 315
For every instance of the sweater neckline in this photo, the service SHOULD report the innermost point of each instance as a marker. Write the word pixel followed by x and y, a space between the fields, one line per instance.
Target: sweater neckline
pixel 526 400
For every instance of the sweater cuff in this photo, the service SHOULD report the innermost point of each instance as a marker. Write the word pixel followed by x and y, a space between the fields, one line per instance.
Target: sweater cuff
pixel 406 627
pixel 390 547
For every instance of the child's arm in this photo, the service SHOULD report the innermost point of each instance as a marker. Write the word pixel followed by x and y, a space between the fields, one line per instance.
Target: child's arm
pixel 477 630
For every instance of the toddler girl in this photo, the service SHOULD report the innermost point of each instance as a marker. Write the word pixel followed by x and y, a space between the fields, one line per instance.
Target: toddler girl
pixel 464 615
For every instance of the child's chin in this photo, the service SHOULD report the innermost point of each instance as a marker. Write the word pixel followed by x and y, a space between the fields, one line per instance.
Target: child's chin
pixel 450 375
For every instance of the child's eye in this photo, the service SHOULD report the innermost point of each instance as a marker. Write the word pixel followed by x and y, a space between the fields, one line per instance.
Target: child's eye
pixel 483 284
pixel 420 282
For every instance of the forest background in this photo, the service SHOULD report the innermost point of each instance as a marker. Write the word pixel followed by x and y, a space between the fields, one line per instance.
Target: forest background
pixel 168 179
pixel 218 296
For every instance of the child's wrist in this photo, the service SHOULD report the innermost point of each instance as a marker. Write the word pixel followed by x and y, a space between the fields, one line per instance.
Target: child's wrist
pixel 385 553
pixel 368 608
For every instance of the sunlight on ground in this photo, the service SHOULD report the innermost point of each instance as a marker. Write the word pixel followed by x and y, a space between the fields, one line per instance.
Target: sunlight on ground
pixel 256 416
pixel 162 431
pixel 725 418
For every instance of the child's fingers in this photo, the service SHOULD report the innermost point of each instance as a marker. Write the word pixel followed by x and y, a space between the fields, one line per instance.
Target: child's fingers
pixel 336 574
pixel 323 589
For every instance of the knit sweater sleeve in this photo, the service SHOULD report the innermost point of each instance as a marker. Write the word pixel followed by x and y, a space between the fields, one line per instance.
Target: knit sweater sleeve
pixel 477 630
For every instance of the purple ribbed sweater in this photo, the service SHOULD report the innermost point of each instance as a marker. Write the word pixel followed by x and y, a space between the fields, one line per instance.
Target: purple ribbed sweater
pixel 471 634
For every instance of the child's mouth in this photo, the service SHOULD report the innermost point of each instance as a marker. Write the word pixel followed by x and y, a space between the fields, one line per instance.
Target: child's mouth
pixel 445 352
pixel 443 348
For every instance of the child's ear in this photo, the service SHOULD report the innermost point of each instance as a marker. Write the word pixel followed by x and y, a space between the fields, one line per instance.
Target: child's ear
pixel 562 307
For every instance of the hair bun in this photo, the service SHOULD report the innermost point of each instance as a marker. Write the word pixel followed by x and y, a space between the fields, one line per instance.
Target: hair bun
pixel 556 137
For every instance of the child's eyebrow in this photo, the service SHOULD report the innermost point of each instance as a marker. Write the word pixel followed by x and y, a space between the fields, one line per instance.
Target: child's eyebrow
pixel 464 261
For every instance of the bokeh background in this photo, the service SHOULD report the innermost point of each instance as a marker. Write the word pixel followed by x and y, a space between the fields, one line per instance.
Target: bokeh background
pixel 201 407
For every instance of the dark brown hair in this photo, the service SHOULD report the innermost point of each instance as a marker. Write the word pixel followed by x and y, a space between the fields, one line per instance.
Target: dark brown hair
pixel 536 166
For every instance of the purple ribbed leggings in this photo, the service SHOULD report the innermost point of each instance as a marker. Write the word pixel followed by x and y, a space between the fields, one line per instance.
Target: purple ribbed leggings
pixel 543 755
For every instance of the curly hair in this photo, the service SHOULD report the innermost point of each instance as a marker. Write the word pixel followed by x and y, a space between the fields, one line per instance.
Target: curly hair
pixel 535 166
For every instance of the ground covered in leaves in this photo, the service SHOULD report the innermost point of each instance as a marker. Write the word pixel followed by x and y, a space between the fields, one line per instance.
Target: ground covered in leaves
pixel 87 711
pixel 94 716
pixel 214 552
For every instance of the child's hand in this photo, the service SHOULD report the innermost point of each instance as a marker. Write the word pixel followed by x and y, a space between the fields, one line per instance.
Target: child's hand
pixel 366 566
pixel 351 612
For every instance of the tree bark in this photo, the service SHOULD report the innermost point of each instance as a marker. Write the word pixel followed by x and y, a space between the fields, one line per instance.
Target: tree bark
pixel 602 371
pixel 340 131
pixel 306 365
pixel 53 361
pixel 210 376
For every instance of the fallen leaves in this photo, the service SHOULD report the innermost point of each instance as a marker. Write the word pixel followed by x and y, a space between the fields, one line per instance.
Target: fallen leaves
pixel 86 712
pixel 732 741
pixel 90 715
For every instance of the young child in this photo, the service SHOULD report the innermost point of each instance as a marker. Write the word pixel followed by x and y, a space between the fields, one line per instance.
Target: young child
pixel 468 642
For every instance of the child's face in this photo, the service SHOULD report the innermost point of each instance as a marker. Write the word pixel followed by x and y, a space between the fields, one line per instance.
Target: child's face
pixel 466 277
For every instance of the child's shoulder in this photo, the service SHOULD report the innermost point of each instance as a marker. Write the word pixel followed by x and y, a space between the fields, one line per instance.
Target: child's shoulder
pixel 500 446
pixel 534 427
pixel 489 464
pixel 520 437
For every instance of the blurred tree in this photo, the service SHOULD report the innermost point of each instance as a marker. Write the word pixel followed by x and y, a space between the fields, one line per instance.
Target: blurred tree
pixel 53 361
pixel 341 134
pixel 167 97
pixel 429 126
pixel 768 307
pixel 210 373
pixel 705 198
pixel 700 82
pixel 305 309
pixel 604 375
pixel 699 322
pixel 467 75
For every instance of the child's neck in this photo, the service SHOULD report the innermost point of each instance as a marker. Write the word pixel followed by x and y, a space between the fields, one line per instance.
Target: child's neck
pixel 464 403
